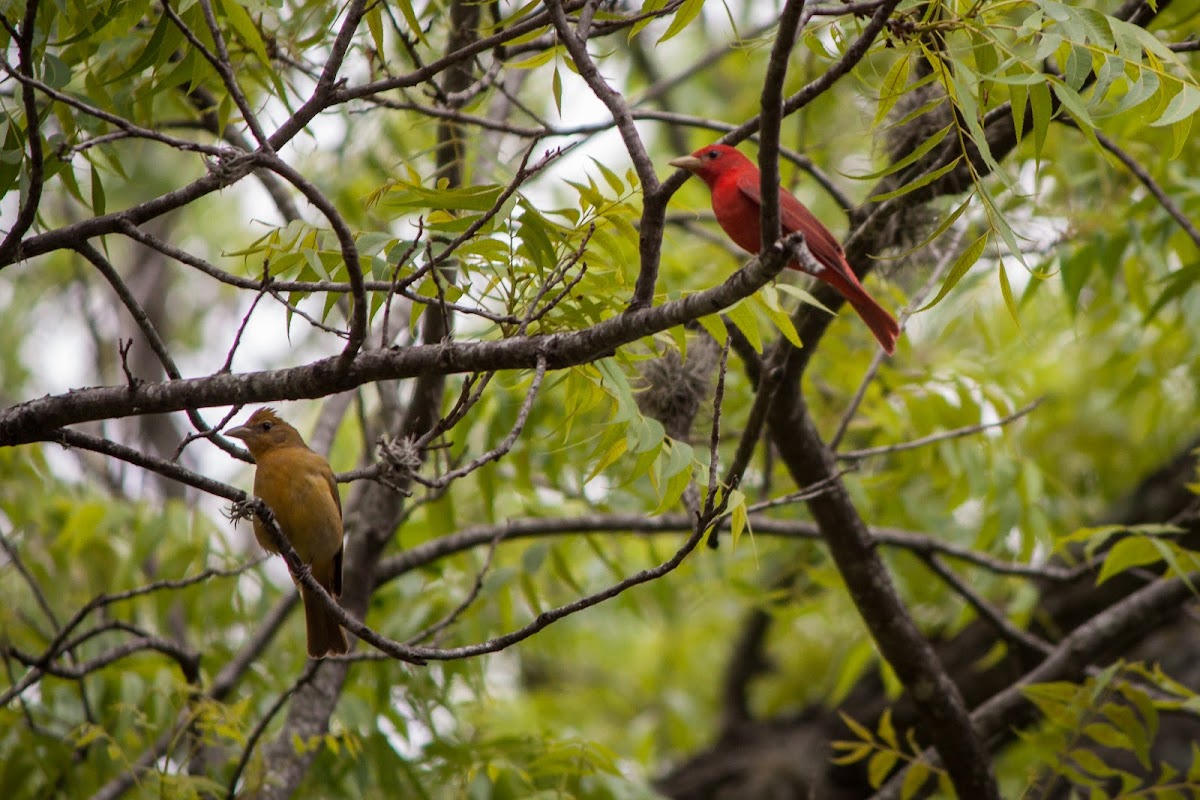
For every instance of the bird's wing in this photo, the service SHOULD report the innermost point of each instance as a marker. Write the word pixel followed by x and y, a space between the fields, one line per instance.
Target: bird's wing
pixel 793 216
pixel 335 588
pixel 332 482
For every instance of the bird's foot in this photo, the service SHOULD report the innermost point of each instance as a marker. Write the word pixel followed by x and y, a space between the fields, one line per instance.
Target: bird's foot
pixel 240 510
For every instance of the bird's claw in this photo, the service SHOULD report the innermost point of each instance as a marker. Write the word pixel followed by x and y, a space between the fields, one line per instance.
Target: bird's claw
pixel 240 510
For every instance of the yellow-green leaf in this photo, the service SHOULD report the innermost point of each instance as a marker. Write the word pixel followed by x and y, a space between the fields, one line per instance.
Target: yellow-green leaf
pixel 684 15
pixel 964 262
pixel 1136 551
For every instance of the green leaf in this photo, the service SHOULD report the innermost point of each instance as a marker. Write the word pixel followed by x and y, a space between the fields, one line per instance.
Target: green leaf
pixel 1145 87
pixel 942 227
pixel 648 9
pixel 856 727
pixel 738 518
pixel 556 89
pixel 97 192
pixel 886 730
pixel 1073 103
pixel 414 25
pixel 715 327
pixel 855 752
pixel 537 59
pixel 914 779
pixel 1170 553
pixel 1097 26
pixel 55 72
pixel 1042 110
pixel 150 54
pixel 880 766
pixel 859 656
pixel 1006 291
pixel 374 17
pixel 804 297
pixel 1056 701
pixel 1182 106
pixel 529 591
pixel 924 180
pixel 1193 773
pixel 741 314
pixel 1000 222
pixel 1078 67
pixel 563 570
pixel 1090 763
pixel 768 300
pixel 1135 284
pixel 1151 43
pixel 683 16
pixel 534 557
pixel 245 29
pixel 1107 736
pixel 1130 725
pixel 613 180
pixel 964 262
pixel 1180 132
pixel 1134 551
pixel 675 468
pixel 1146 708
pixel 403 194
pixel 930 142
pixel 895 84
pixel 1110 71
pixel 1049 43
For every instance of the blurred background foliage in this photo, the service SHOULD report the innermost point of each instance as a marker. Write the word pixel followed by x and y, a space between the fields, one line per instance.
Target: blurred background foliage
pixel 1100 327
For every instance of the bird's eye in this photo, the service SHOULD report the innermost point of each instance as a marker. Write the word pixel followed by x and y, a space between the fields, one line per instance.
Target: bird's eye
pixel 712 154
pixel 266 426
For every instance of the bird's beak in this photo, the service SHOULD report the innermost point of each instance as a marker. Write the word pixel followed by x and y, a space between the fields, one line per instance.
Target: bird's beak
pixel 690 163
pixel 240 432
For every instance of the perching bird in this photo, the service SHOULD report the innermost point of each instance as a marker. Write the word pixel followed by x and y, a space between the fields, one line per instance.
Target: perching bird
pixel 737 202
pixel 300 489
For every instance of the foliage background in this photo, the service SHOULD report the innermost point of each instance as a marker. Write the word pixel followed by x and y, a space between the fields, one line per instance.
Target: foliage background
pixel 1019 177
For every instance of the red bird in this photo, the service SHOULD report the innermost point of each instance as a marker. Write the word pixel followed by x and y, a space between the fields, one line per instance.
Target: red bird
pixel 737 202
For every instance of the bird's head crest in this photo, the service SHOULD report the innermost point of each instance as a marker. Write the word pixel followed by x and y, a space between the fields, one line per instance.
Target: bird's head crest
pixel 266 430
pixel 709 162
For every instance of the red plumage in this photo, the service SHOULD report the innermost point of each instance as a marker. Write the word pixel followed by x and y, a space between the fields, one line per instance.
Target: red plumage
pixel 737 201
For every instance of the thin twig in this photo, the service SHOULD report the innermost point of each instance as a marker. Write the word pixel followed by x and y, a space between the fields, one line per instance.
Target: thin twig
pixel 32 196
pixel 436 628
pixel 933 438
pixel 502 449
pixel 1012 633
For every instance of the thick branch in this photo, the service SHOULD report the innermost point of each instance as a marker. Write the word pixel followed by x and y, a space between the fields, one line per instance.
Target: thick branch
pixel 940 706
pixel 38 419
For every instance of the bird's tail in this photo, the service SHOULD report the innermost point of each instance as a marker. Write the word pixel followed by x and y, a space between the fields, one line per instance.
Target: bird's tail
pixel 881 323
pixel 325 635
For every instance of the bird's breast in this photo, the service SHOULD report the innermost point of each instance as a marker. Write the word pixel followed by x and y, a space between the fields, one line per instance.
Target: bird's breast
pixel 304 507
pixel 737 215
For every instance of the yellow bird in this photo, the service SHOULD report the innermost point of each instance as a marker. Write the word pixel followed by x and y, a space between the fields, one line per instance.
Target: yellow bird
pixel 300 489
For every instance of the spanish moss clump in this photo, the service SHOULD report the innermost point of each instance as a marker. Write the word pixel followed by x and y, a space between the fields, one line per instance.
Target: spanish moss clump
pixel 902 134
pixel 909 127
pixel 672 389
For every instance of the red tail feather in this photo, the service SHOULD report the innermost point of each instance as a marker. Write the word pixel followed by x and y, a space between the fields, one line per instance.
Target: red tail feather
pixel 881 323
